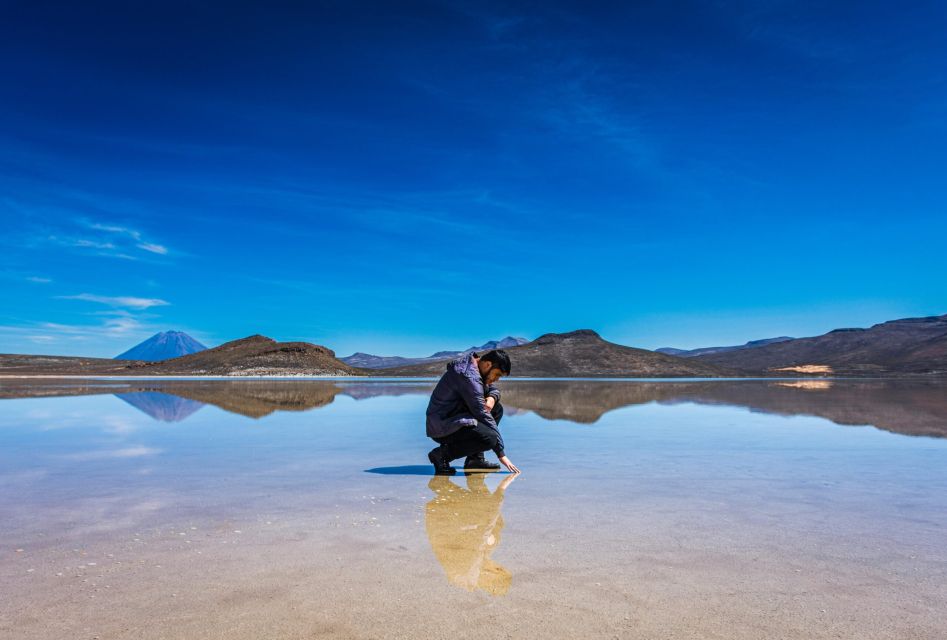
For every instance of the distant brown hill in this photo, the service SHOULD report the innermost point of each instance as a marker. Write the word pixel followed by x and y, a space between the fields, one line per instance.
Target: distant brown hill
pixel 898 347
pixel 14 364
pixel 690 353
pixel 583 353
pixel 255 355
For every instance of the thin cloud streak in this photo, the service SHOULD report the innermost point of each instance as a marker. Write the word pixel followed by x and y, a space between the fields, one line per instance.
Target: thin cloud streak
pixel 119 301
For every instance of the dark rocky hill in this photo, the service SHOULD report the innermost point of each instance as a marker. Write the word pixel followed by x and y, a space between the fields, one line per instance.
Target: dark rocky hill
pixel 583 353
pixel 252 356
pixel 15 364
pixel 898 347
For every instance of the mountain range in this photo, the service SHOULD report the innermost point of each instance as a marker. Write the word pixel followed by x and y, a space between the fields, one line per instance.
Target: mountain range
pixel 909 346
pixel 583 353
pixel 369 361
pixel 906 347
pixel 690 353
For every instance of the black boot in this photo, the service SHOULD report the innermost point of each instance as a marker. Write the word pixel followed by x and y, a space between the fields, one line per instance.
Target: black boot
pixel 477 462
pixel 438 457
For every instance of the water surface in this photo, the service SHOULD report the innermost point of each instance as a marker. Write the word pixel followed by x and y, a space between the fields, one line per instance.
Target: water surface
pixel 732 509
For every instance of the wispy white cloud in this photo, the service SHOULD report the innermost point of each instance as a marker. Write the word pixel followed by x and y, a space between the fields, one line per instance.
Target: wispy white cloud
pixel 118 327
pixel 119 301
pixel 60 336
pixel 38 279
pixel 100 247
pixel 116 229
pixel 153 248
pixel 109 240
pixel 93 244
pixel 127 232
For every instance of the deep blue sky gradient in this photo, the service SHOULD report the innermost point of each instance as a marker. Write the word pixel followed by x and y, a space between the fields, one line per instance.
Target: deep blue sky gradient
pixel 400 178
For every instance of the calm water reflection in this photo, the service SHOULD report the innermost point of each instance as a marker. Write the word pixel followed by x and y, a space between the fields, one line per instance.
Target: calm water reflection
pixel 900 406
pixel 464 525
pixel 636 496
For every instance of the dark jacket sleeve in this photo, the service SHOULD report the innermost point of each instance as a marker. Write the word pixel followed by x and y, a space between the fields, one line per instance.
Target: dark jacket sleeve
pixel 493 392
pixel 471 391
pixel 499 449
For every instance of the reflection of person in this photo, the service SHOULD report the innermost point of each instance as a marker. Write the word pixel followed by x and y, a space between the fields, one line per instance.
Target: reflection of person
pixel 463 526
pixel 463 412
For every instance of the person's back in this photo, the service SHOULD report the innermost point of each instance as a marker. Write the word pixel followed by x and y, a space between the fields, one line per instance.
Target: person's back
pixel 449 408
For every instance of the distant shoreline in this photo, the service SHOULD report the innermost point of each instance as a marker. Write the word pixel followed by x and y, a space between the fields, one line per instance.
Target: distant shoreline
pixel 507 379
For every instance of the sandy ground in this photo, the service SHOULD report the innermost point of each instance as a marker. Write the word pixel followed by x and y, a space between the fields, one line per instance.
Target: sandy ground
pixel 450 561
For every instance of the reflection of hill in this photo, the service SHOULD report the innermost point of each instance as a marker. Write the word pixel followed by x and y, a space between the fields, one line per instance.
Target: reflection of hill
pixel 363 391
pixel 161 406
pixel 910 407
pixel 253 398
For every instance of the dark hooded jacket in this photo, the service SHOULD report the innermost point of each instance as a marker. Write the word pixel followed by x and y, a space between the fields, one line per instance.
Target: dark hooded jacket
pixel 458 401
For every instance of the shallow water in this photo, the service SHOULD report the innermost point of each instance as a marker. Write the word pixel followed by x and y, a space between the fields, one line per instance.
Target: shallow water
pixel 732 509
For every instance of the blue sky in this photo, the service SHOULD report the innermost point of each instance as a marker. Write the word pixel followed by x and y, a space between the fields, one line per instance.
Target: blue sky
pixel 401 178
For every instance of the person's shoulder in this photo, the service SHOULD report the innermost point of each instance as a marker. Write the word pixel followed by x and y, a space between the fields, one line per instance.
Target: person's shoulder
pixel 465 367
pixel 462 364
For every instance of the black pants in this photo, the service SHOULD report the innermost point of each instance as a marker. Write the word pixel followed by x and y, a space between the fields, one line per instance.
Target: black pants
pixel 470 441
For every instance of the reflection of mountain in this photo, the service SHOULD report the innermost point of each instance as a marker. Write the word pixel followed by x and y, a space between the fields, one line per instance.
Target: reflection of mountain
pixel 463 527
pixel 913 407
pixel 254 398
pixel 908 407
pixel 161 406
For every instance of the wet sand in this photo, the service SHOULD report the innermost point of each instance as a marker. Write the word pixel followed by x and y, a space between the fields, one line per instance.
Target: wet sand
pixel 679 521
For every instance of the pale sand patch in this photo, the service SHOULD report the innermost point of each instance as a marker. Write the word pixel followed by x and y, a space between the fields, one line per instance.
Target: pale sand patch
pixel 807 368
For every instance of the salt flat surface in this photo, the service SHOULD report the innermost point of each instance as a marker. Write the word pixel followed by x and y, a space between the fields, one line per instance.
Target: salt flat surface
pixel 306 509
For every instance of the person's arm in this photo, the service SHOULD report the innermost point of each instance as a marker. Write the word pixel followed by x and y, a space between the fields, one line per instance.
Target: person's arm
pixel 471 392
pixel 492 396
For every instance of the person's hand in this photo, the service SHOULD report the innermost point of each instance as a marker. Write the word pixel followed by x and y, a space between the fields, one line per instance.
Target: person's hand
pixel 509 465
